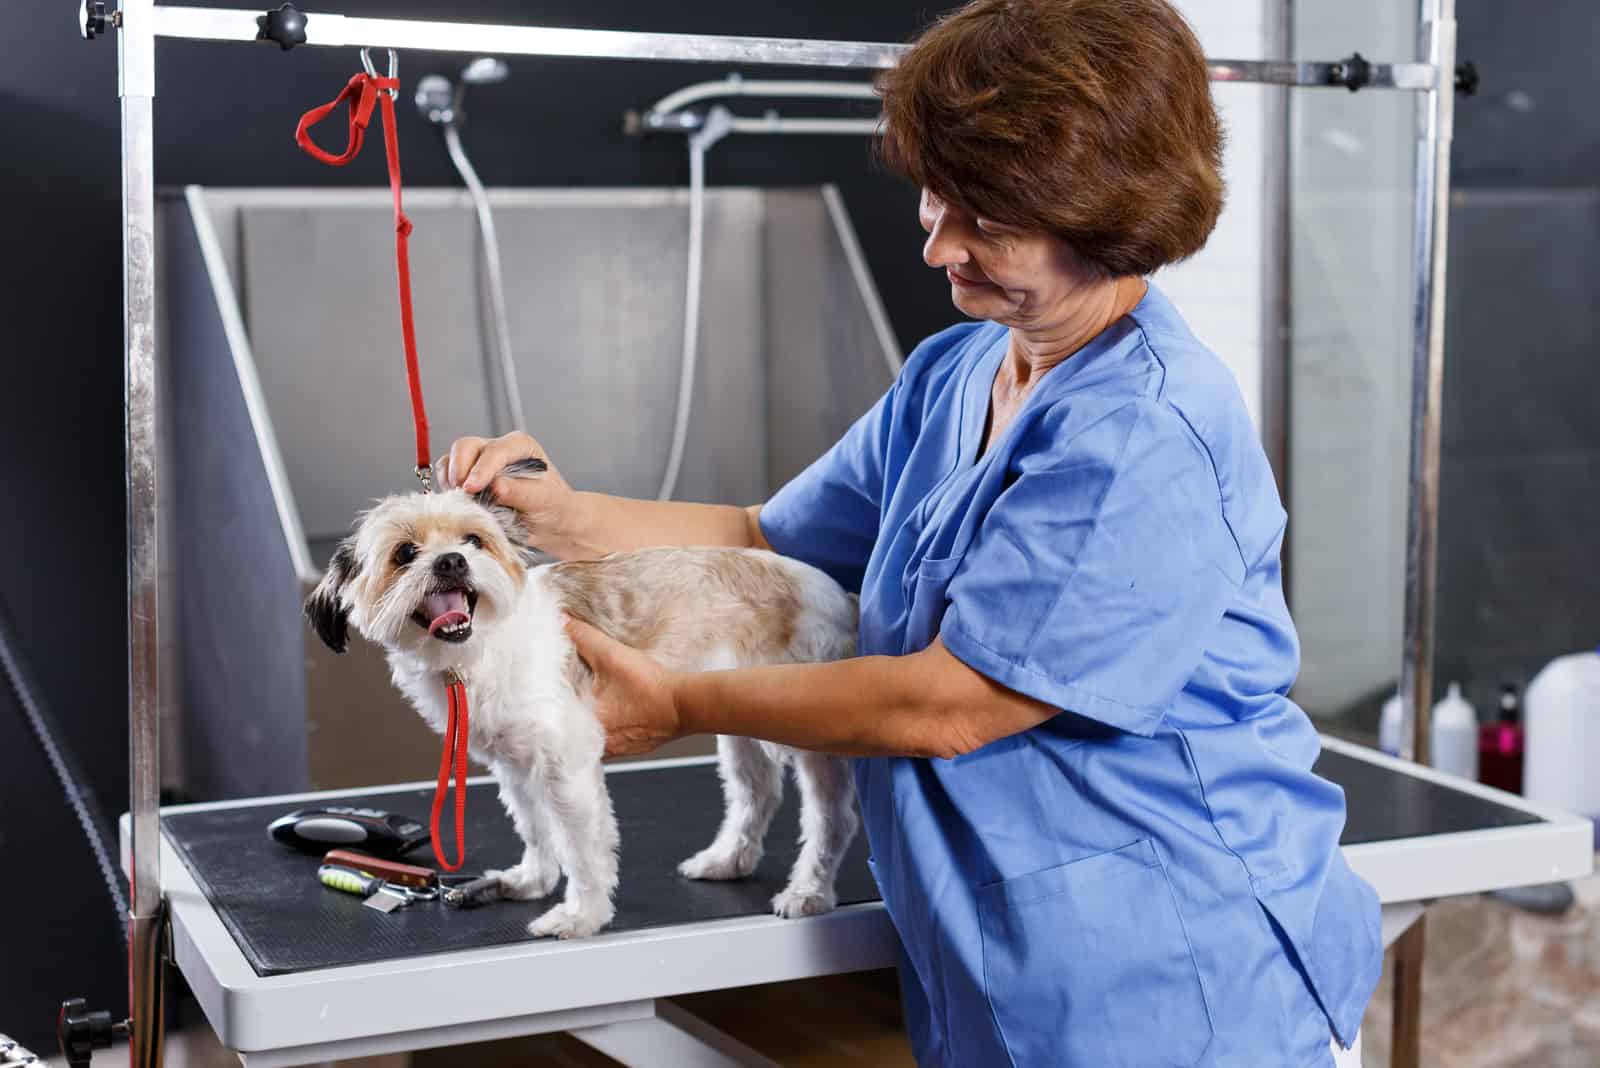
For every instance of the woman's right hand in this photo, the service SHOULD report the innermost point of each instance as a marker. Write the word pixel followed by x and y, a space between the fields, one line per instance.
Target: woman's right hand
pixel 548 505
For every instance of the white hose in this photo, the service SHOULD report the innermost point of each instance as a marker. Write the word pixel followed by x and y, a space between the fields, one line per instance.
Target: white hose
pixel 503 361
pixel 717 125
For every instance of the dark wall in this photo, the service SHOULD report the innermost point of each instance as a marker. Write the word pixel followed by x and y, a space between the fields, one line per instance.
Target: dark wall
pixel 1520 478
pixel 226 115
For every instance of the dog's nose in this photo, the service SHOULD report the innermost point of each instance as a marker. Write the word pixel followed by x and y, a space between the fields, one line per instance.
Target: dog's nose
pixel 450 566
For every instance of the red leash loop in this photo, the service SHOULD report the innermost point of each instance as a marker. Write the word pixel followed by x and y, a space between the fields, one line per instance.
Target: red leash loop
pixel 455 745
pixel 361 92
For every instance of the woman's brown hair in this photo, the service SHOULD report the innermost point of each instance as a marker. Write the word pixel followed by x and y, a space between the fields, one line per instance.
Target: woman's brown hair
pixel 1088 119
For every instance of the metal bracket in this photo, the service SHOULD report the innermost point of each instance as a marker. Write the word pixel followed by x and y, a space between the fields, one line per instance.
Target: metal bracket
pixel 717 124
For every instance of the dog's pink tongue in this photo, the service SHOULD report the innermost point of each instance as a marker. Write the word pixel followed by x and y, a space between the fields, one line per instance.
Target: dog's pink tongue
pixel 445 609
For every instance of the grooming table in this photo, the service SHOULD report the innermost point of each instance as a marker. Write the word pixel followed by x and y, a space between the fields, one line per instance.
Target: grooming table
pixel 289 972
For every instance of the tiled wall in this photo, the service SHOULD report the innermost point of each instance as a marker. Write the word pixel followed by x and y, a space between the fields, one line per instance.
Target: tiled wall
pixel 1519 511
pixel 1221 290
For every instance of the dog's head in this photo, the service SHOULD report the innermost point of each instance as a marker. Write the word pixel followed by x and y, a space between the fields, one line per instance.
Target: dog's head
pixel 425 568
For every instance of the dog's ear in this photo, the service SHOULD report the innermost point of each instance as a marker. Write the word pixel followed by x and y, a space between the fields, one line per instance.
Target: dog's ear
pixel 510 519
pixel 325 605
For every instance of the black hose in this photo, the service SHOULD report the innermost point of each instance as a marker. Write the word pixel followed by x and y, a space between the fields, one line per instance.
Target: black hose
pixel 95 827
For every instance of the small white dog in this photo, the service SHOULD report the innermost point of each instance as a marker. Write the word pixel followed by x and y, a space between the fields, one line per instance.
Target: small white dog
pixel 445 582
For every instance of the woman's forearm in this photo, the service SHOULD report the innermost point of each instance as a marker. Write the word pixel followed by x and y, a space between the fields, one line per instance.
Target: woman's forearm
pixel 927 704
pixel 604 524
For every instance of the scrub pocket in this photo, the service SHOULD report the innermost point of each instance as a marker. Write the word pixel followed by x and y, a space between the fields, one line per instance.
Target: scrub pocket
pixel 926 601
pixel 1087 965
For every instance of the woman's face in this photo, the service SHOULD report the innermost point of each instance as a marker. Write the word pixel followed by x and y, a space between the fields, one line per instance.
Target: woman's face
pixel 997 272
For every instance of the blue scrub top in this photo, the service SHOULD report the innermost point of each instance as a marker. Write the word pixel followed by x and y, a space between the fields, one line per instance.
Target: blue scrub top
pixel 1153 875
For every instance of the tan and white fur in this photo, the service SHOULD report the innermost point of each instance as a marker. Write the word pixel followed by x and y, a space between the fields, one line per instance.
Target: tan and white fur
pixel 449 555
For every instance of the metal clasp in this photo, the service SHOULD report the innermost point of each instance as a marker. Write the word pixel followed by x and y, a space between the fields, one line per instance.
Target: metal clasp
pixel 424 476
pixel 394 69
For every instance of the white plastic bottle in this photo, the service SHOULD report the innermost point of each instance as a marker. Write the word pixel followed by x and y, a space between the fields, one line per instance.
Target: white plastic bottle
pixel 1453 736
pixel 1560 712
pixel 1389 725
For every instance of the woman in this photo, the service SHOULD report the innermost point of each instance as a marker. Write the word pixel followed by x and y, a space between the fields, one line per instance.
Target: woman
pixel 1089 801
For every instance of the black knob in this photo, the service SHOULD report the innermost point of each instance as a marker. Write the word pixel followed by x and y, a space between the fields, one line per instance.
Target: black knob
pixel 81 1032
pixel 92 19
pixel 284 25
pixel 1467 79
pixel 1353 73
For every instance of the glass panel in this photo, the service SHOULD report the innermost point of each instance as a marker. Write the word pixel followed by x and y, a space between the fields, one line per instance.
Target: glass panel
pixel 1351 180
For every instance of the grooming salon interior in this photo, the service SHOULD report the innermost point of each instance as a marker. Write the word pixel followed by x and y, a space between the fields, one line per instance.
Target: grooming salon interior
pixel 1028 534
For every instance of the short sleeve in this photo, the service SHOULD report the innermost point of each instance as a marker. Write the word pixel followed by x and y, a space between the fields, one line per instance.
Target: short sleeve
pixel 1099 576
pixel 828 515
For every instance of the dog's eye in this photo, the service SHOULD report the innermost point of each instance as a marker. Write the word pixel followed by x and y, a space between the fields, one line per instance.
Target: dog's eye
pixel 474 541
pixel 404 554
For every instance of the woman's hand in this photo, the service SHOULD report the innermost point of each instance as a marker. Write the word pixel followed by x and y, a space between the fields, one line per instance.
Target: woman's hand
pixel 633 695
pixel 548 506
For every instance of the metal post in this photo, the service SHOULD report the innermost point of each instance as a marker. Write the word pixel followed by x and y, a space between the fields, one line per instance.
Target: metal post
pixel 1436 39
pixel 136 67
pixel 1435 118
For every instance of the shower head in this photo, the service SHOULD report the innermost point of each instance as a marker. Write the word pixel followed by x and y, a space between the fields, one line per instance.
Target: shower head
pixel 439 99
pixel 485 70
pixel 436 99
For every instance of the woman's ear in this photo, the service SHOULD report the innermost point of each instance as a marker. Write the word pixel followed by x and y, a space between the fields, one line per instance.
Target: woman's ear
pixel 325 607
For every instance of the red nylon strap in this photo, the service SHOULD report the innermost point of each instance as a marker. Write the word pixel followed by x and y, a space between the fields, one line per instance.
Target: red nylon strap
pixel 361 92
pixel 455 745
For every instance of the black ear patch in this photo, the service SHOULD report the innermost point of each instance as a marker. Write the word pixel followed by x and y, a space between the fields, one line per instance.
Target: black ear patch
pixel 508 518
pixel 324 606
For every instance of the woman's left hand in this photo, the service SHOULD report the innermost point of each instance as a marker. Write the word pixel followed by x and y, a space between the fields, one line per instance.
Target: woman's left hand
pixel 632 693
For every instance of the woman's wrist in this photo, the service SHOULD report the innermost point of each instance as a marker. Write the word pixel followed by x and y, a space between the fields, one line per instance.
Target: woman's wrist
pixel 578 536
pixel 677 683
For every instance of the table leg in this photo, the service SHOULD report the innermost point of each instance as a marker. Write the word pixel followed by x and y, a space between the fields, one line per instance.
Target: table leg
pixel 1407 1040
pixel 672 1038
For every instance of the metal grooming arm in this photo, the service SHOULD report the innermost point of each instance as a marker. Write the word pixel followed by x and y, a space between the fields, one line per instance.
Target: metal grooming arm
pixel 140 22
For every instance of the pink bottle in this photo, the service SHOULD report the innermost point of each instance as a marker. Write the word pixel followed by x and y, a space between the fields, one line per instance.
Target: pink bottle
pixel 1500 746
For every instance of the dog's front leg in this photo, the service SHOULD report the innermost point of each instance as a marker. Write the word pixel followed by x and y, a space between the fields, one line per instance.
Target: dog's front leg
pixel 585 840
pixel 539 871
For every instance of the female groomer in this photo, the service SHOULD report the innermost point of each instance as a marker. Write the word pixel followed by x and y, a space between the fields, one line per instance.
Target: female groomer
pixel 1089 801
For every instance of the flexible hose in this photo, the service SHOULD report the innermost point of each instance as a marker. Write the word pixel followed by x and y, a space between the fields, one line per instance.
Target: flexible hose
pixel 500 326
pixel 718 124
pixel 81 801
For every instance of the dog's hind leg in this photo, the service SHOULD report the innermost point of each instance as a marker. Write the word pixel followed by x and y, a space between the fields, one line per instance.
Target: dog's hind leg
pixel 585 840
pixel 539 870
pixel 828 824
pixel 752 787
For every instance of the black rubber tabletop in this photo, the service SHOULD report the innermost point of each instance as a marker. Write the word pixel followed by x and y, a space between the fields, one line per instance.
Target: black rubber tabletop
pixel 285 921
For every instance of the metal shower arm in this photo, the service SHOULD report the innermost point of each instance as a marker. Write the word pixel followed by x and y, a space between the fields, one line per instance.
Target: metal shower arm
pixel 734 85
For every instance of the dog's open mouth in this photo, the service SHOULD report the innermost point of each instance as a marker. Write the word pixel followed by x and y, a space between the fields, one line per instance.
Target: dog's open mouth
pixel 447 614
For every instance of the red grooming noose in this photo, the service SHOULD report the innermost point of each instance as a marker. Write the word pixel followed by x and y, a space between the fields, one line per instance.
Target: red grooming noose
pixel 455 744
pixel 362 91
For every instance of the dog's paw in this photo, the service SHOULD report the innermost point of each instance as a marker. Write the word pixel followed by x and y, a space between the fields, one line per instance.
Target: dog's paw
pixel 571 921
pixel 525 884
pixel 720 864
pixel 794 902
